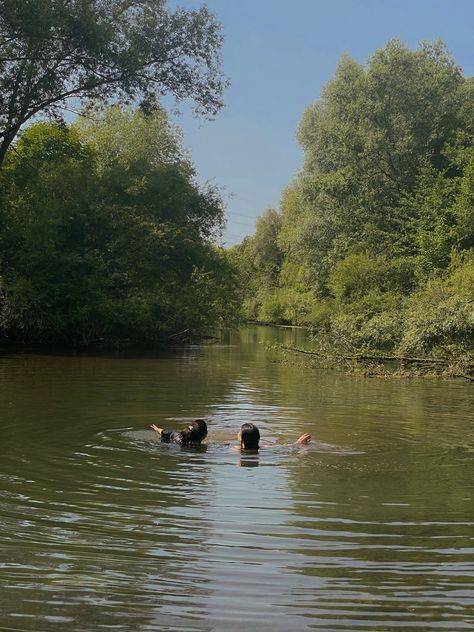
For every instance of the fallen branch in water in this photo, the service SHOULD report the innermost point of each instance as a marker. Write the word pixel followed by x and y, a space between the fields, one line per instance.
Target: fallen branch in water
pixel 179 333
pixel 369 357
pixel 466 377
pixel 427 366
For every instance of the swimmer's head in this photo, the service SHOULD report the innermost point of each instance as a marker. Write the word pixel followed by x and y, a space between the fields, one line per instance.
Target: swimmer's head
pixel 249 436
pixel 198 429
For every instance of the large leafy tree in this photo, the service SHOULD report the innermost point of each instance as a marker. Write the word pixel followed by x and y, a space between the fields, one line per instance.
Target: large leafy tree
pixel 376 231
pixel 258 260
pixel 52 51
pixel 367 141
pixel 106 235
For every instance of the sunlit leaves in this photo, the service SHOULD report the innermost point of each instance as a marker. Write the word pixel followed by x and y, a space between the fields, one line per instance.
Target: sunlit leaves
pixel 52 51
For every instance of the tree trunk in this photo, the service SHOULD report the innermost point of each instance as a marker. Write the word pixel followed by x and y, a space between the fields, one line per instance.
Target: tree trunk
pixel 5 144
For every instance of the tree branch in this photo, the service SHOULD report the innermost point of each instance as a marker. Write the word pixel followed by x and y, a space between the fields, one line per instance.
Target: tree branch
pixel 382 358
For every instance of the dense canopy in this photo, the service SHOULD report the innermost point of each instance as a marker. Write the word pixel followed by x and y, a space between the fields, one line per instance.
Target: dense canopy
pixel 105 235
pixel 374 246
pixel 104 232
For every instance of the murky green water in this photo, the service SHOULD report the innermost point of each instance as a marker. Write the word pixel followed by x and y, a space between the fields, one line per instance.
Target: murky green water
pixel 102 528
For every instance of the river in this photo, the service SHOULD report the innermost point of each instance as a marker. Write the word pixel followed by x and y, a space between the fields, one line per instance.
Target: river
pixel 370 527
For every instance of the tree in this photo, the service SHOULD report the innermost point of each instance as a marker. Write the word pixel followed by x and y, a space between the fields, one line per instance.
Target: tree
pixel 376 230
pixel 107 236
pixel 366 143
pixel 52 51
pixel 140 158
pixel 51 236
pixel 267 256
pixel 258 261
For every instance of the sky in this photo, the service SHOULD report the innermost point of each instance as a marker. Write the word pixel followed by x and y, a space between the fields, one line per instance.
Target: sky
pixel 278 56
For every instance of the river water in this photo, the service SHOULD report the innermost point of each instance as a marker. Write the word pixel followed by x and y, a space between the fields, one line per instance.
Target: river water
pixel 370 527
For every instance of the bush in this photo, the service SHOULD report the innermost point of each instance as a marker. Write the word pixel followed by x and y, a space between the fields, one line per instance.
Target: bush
pixel 441 313
pixel 360 275
pixel 271 310
pixel 321 314
pixel 382 332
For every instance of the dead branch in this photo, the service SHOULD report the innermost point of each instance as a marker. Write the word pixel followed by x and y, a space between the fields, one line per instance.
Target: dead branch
pixel 381 358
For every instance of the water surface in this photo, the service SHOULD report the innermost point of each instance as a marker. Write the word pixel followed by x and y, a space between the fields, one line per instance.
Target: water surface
pixel 371 527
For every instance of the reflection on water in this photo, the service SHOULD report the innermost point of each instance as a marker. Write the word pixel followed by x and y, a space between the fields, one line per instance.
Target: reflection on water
pixel 370 527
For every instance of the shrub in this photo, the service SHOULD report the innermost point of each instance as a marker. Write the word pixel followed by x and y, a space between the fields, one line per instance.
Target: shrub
pixel 358 276
pixel 441 313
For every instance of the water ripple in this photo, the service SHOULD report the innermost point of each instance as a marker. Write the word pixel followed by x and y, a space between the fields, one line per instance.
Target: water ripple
pixel 103 528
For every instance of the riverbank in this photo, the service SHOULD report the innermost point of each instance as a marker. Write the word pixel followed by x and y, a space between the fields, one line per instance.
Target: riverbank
pixel 378 365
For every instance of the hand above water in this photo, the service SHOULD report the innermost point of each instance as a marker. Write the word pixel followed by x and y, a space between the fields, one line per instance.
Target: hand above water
pixel 305 438
pixel 156 429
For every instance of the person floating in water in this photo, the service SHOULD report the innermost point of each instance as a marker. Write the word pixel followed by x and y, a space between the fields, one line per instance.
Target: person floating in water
pixel 249 437
pixel 194 433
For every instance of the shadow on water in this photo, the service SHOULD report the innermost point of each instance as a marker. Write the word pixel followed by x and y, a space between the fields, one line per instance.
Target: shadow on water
pixel 102 526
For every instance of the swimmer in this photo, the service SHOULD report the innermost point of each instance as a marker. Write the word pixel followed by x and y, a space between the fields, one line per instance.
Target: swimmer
pixel 249 438
pixel 194 433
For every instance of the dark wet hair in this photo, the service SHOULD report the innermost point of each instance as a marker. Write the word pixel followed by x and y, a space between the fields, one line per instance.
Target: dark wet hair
pixel 198 429
pixel 250 436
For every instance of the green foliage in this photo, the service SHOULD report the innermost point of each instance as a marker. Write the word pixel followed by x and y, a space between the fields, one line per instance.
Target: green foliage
pixel 109 244
pixel 365 143
pixel 265 251
pixel 440 315
pixel 271 309
pixel 125 50
pixel 463 206
pixel 376 237
pixel 285 306
pixel 258 261
pixel 141 162
pixel 359 333
pixel 356 276
pixel 433 223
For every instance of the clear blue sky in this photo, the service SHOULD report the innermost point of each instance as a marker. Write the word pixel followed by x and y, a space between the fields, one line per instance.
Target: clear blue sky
pixel 278 55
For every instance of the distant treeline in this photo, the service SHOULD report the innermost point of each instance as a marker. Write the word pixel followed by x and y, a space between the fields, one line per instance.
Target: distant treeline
pixel 373 243
pixel 104 234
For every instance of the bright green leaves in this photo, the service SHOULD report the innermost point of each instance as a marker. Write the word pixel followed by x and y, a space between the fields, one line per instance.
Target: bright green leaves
pixel 108 236
pixel 382 210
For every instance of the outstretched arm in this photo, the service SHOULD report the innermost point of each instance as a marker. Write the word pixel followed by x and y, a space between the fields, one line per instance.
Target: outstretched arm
pixel 156 429
pixel 304 439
